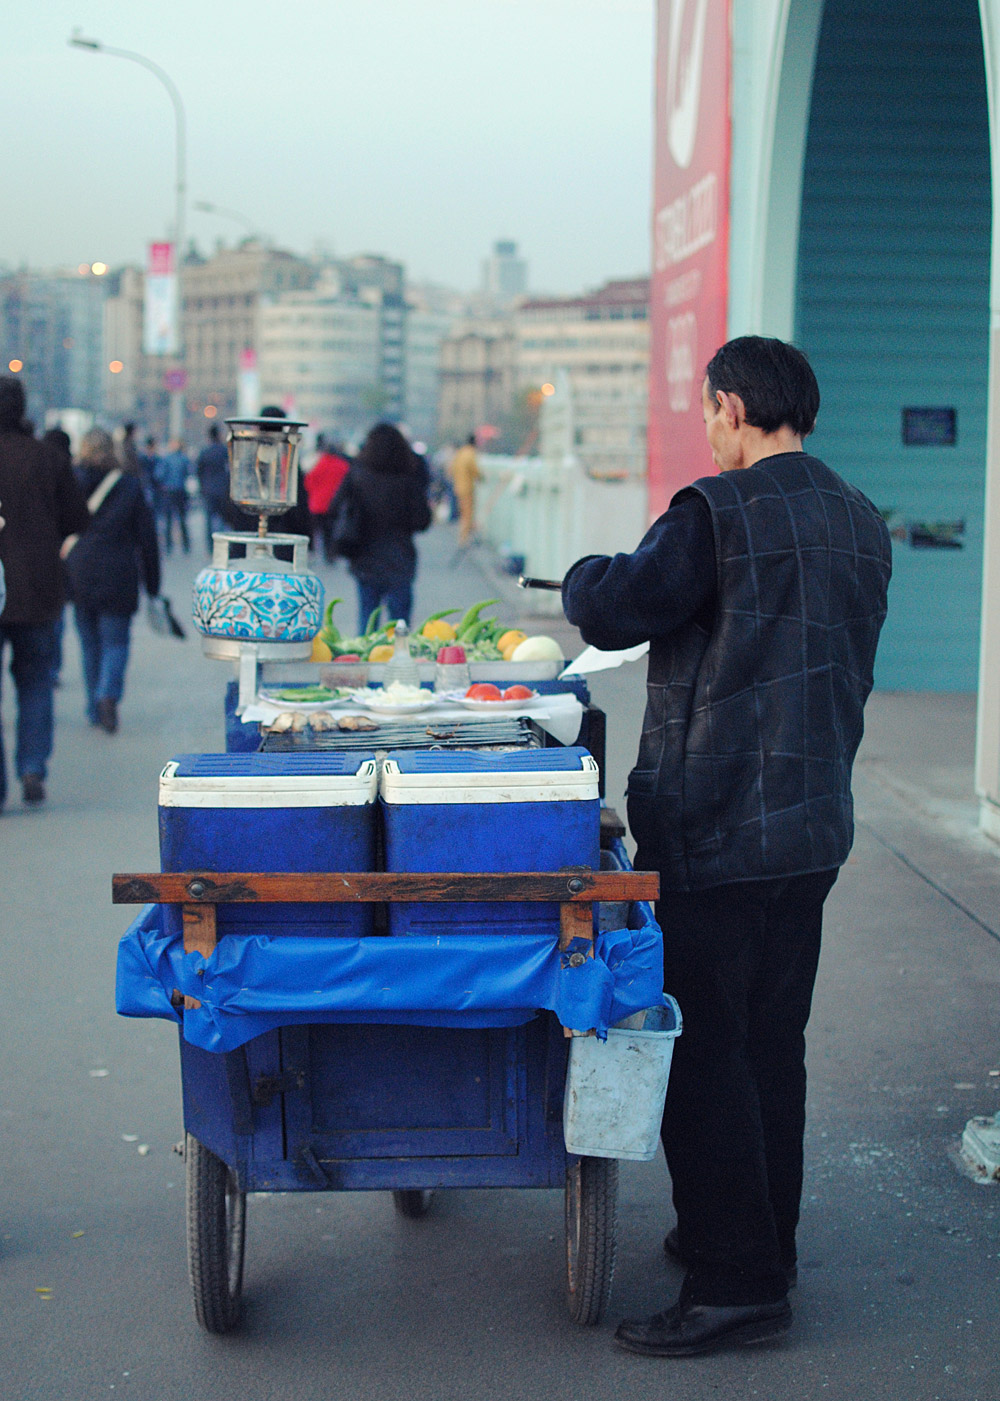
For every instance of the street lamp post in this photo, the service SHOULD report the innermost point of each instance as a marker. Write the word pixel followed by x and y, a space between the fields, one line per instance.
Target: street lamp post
pixel 77 41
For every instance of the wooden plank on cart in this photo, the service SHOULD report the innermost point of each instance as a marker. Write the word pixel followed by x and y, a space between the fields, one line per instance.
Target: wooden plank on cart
pixel 225 887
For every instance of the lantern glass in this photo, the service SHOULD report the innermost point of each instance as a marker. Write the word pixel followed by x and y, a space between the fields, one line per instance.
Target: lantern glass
pixel 263 463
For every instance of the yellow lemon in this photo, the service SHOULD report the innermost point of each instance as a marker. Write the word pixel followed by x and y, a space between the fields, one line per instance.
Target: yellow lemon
pixel 320 651
pixel 509 640
pixel 381 653
pixel 439 630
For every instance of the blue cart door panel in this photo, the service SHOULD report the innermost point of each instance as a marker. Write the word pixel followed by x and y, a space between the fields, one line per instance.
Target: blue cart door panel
pixel 404 1091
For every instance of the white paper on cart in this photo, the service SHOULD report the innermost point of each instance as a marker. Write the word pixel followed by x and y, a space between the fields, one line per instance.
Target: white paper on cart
pixel 592 659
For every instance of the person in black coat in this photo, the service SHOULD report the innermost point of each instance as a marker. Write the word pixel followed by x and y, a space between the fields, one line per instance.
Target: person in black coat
pixel 104 568
pixel 388 484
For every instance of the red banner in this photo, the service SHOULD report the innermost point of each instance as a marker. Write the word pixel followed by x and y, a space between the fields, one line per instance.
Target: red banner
pixel 690 236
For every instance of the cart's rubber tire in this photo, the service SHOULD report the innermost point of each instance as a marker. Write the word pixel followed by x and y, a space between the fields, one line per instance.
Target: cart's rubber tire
pixel 412 1202
pixel 591 1236
pixel 216 1235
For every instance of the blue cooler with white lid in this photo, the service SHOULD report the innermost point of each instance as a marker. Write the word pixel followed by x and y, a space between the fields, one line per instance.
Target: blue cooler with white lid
pixel 273 812
pixel 524 810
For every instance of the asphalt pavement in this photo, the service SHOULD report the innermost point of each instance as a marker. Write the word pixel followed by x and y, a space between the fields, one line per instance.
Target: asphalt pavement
pixel 898 1294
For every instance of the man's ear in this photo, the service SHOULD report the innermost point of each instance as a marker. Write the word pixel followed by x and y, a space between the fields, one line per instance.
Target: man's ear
pixel 732 408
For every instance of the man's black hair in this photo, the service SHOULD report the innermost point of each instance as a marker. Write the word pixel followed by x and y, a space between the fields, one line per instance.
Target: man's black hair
pixel 213 432
pixel 774 380
pixel 11 404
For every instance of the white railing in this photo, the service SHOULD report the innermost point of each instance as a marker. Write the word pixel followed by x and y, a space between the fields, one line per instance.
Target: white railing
pixel 548 510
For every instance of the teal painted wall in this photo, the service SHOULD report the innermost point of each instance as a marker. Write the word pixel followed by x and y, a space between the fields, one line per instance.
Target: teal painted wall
pixel 893 299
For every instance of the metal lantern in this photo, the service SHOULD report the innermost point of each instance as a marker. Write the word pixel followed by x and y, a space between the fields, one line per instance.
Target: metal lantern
pixel 263 465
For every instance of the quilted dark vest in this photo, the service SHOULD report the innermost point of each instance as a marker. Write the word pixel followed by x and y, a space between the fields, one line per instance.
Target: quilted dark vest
pixel 752 723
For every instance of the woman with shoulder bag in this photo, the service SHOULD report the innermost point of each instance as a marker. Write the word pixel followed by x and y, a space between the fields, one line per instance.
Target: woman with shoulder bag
pixel 384 497
pixel 103 568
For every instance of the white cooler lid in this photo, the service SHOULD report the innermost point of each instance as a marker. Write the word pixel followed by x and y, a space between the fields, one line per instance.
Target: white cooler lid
pixel 269 781
pixel 536 785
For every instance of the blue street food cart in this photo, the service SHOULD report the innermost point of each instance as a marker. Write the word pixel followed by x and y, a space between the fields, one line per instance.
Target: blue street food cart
pixel 382 949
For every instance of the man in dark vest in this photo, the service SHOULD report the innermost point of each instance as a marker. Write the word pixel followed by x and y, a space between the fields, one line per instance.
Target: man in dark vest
pixel 761 592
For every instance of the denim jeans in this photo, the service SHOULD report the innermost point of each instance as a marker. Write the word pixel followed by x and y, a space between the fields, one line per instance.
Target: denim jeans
pixel 104 643
pixel 397 596
pixel 33 651
pixel 175 507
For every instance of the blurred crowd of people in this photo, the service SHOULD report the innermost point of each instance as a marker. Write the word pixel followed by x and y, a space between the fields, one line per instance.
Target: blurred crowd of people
pixel 92 530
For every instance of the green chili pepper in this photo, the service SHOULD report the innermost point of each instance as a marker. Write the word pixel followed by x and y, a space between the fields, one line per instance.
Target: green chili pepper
pixel 472 618
pixel 328 632
pixel 374 620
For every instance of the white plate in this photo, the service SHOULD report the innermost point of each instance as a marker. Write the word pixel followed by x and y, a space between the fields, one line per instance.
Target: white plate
pixel 396 707
pixel 305 706
pixel 500 704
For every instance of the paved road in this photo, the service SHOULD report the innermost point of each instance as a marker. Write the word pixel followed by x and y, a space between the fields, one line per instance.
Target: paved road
pixel 899 1285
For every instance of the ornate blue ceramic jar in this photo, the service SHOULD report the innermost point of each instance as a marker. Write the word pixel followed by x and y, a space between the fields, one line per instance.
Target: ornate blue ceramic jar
pixel 251 594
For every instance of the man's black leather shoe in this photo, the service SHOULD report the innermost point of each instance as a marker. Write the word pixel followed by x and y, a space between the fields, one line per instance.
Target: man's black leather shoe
pixel 672 1247
pixel 687 1329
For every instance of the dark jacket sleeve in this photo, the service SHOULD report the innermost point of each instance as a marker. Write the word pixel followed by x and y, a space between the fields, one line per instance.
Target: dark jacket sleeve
pixel 146 544
pixel 621 600
pixel 72 516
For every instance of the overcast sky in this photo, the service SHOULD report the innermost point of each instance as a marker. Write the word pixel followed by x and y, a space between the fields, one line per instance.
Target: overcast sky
pixel 422 129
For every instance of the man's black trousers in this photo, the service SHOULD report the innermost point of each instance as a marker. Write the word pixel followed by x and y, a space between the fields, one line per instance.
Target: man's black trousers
pixel 741 960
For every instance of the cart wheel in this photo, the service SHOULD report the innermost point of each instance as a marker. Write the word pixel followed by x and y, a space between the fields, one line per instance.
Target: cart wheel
pixel 216 1233
pixel 591 1221
pixel 413 1203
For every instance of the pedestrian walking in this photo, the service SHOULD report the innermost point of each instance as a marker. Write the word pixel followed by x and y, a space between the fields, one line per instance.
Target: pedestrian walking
pixel 761 592
pixel 172 472
pixel 148 460
pixel 42 505
pixel 387 492
pixel 322 482
pixel 104 568
pixel 213 480
pixel 59 441
pixel 127 452
pixel 464 473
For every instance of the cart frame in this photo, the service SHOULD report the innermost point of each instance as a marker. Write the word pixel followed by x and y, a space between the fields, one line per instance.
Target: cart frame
pixel 216 1188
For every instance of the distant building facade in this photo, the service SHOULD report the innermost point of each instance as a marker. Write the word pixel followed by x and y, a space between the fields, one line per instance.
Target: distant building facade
pixel 505 273
pixel 598 346
pixel 51 328
pixel 320 355
pixel 134 388
pixel 477 378
pixel 222 299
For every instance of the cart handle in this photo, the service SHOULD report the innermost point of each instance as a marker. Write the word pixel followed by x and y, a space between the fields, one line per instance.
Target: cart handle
pixel 577 885
pixel 199 892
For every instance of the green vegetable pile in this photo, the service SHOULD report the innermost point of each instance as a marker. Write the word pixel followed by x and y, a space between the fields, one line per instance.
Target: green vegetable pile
pixel 475 633
pixel 307 694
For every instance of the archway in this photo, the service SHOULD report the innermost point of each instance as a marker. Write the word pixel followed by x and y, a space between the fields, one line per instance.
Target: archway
pixel 892 305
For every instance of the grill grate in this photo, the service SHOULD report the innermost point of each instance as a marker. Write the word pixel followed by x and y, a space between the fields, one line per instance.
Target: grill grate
pixel 501 732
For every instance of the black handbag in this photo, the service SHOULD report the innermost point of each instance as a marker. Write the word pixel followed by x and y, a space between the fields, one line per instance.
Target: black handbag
pixel 161 617
pixel 346 522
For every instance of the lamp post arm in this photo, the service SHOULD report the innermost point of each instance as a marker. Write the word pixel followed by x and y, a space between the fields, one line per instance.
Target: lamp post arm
pixel 178 106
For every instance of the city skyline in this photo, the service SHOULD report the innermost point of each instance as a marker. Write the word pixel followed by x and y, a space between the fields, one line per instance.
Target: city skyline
pixel 464 125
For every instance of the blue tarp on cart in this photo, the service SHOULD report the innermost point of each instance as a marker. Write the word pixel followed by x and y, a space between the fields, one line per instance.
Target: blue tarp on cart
pixel 254 983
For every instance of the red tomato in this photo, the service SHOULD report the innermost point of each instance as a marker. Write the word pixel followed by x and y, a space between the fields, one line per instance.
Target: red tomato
pixel 518 693
pixel 348 657
pixel 483 691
